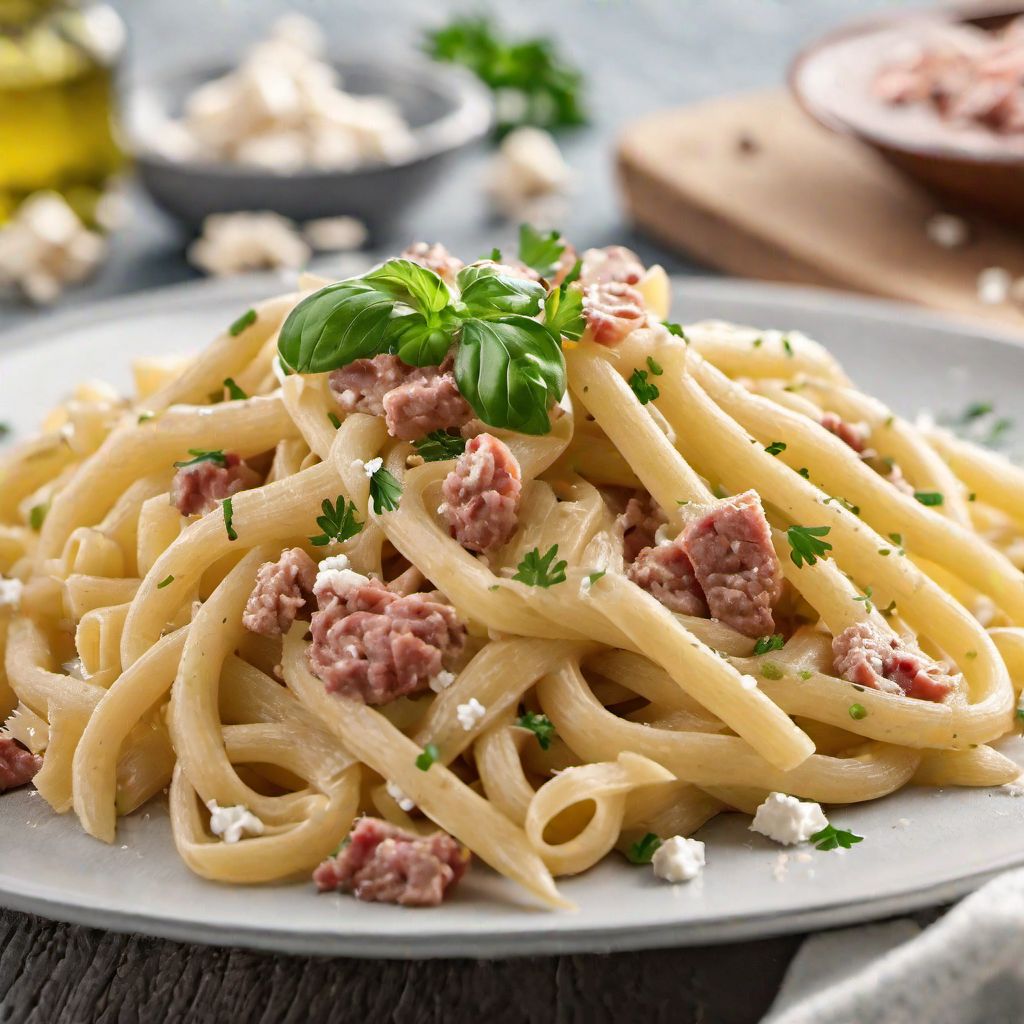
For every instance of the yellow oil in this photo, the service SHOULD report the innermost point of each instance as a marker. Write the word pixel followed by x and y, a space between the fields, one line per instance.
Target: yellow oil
pixel 57 104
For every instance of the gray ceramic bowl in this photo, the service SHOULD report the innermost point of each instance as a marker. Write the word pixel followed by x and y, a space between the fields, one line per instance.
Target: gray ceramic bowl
pixel 446 107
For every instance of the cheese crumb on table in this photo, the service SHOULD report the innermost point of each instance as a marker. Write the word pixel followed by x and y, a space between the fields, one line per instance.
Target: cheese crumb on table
pixel 788 820
pixel 679 859
pixel 231 823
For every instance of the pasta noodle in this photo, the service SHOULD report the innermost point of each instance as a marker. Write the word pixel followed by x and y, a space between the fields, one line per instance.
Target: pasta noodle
pixel 639 576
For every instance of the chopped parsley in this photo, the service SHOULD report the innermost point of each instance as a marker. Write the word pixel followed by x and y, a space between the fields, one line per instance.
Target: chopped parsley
pixel 979 423
pixel 675 329
pixel 235 393
pixel 595 576
pixel 654 367
pixel 5 429
pixel 805 674
pixel 644 391
pixel 787 346
pixel 428 757
pixel 338 522
pixel 247 319
pixel 866 598
pixel 229 515
pixel 1019 715
pixel 643 850
pixel 758 342
pixel 775 642
pixel 804 472
pixel 541 727
pixel 37 515
pixel 217 457
pixel 335 421
pixel 831 838
pixel 772 671
pixel 385 491
pixel 439 446
pixel 165 582
pixel 776 448
pixel 897 539
pixel 858 711
pixel 930 498
pixel 806 547
pixel 145 416
pixel 848 505
pixel 537 570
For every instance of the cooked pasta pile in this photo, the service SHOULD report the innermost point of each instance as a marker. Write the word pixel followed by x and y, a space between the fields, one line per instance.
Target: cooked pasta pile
pixel 706 568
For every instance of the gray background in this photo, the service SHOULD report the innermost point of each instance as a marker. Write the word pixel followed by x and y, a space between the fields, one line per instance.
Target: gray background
pixel 640 55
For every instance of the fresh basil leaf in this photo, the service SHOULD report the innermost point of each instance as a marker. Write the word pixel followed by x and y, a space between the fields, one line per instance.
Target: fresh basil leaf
pixel 418 342
pixel 332 327
pixel 510 370
pixel 412 284
pixel 486 292
pixel 563 313
pixel 540 250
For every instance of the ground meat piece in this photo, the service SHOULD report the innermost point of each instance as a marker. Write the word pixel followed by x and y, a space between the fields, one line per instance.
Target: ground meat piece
pixel 361 385
pixel 371 644
pixel 436 258
pixel 199 488
pixel 612 264
pixel 865 655
pixel 387 864
pixel 481 494
pixel 18 766
pixel 735 563
pixel 612 311
pixel 283 588
pixel 640 521
pixel 665 572
pixel 855 435
pixel 419 406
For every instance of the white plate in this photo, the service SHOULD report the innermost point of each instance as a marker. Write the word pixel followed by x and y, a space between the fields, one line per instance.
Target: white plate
pixel 921 847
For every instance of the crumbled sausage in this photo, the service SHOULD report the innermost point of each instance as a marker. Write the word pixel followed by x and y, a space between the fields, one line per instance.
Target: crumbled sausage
pixel 387 864
pixel 665 572
pixel 481 494
pixel 361 385
pixel 639 523
pixel 200 487
pixel 283 589
pixel 18 766
pixel 424 404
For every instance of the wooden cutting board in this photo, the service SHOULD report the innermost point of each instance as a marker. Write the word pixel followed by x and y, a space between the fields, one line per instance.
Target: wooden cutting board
pixel 750 185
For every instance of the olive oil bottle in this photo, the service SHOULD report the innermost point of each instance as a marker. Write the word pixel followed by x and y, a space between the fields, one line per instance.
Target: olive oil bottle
pixel 57 100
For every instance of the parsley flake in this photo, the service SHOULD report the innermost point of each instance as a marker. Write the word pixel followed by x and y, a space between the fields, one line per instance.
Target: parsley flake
pixel 776 448
pixel 787 346
pixel 385 491
pixel 897 539
pixel 165 582
pixel 145 416
pixel 5 429
pixel 200 455
pixel 644 391
pixel 804 472
pixel 229 515
pixel 37 515
pixel 643 850
pixel 654 367
pixel 235 393
pixel 537 570
pixel 806 548
pixel 858 711
pixel 595 576
pixel 439 446
pixel 247 319
pixel 866 598
pixel 335 420
pixel 541 727
pixel 338 522
pixel 775 642
pixel 772 671
pixel 676 330
pixel 428 757
pixel 805 674
pixel 831 838
pixel 929 498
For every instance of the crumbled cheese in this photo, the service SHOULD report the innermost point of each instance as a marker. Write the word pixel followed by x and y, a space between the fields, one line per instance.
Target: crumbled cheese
pixel 527 171
pixel 470 714
pixel 947 230
pixel 231 823
pixel 788 820
pixel 235 243
pixel 993 286
pixel 373 466
pixel 902 823
pixel 10 593
pixel 679 859
pixel 442 681
pixel 333 563
pixel 400 798
pixel 748 682
pixel 44 247
pixel 335 234
pixel 337 577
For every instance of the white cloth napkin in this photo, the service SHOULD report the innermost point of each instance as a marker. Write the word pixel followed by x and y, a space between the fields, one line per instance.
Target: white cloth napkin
pixel 967 968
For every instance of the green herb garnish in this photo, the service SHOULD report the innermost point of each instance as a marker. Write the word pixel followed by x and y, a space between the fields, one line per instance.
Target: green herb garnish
pixel 37 515
pixel 675 329
pixel 165 582
pixel 385 491
pixel 776 448
pixel 830 838
pixel 439 446
pixel 235 393
pixel 644 391
pixel 775 642
pixel 217 457
pixel 642 851
pixel 537 570
pixel 335 420
pixel 541 250
pixel 338 522
pixel 866 598
pixel 772 671
pixel 929 498
pixel 229 515
pixel 858 711
pixel 428 757
pixel 563 312
pixel 787 346
pixel 806 548
pixel 541 727
pixel 654 367
pixel 245 320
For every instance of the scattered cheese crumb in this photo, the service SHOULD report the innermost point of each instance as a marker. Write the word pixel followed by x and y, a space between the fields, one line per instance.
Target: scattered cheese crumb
pixel 442 681
pixel 902 823
pixel 235 243
pixel 748 682
pixel 993 286
pixel 679 859
pixel 400 798
pixel 231 823
pixel 527 170
pixel 947 230
pixel 373 466
pixel 470 714
pixel 788 820
pixel 333 563
pixel 334 573
pixel 10 593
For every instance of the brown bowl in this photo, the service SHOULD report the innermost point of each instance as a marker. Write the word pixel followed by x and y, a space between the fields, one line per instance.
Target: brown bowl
pixel 968 167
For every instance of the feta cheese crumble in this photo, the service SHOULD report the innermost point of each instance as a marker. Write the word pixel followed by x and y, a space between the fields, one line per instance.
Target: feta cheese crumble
pixel 442 681
pixel 788 820
pixel 400 798
pixel 10 593
pixel 679 859
pixel 470 714
pixel 373 466
pixel 334 572
pixel 748 682
pixel 231 823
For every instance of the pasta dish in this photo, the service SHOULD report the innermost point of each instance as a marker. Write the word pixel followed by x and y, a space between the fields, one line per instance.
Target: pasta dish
pixel 496 560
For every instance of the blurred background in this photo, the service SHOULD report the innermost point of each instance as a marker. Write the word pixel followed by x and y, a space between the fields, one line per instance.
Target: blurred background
pixel 419 160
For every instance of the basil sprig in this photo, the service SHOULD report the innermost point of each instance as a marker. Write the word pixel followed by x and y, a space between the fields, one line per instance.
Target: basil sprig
pixel 508 366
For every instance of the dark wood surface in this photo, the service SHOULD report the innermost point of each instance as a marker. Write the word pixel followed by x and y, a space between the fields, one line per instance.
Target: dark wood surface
pixel 64 974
